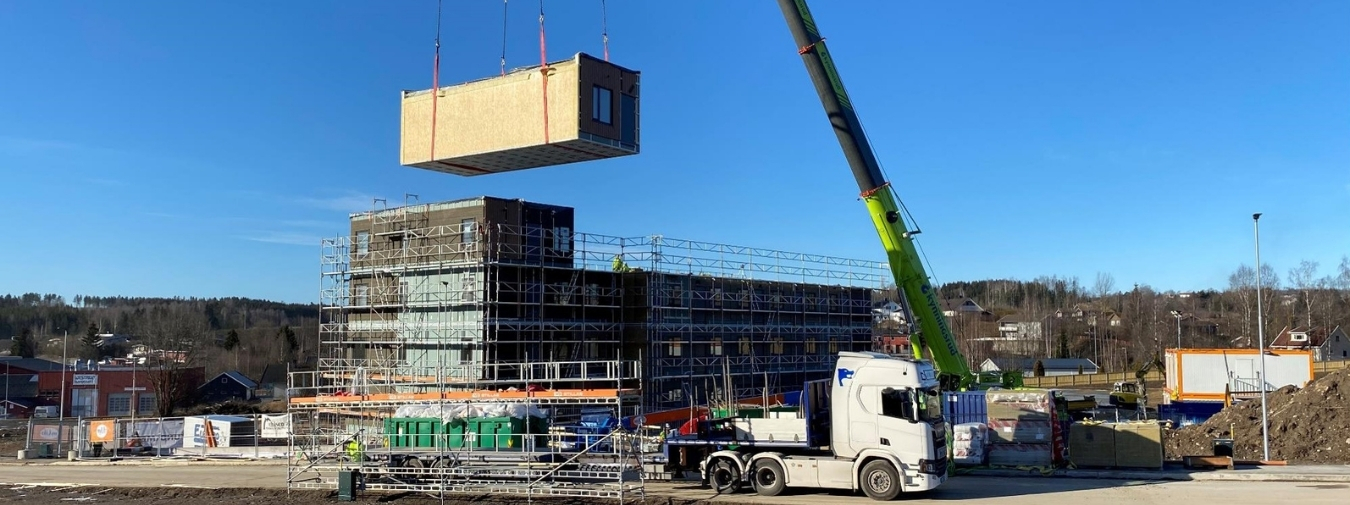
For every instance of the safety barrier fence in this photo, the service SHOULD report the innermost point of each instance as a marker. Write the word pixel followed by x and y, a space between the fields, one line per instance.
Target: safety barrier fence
pixel 244 435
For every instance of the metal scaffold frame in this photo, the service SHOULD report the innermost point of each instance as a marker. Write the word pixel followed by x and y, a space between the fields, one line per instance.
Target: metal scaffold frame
pixel 421 312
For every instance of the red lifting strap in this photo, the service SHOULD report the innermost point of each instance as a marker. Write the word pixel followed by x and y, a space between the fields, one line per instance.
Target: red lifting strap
pixel 805 49
pixel 873 191
pixel 543 67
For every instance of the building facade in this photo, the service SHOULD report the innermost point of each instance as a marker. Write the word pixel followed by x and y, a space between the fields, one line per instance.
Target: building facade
pixel 1326 344
pixel 465 292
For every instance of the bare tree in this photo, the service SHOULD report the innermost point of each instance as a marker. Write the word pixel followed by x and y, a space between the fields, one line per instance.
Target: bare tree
pixel 1242 284
pixel 1304 279
pixel 1105 285
pixel 175 336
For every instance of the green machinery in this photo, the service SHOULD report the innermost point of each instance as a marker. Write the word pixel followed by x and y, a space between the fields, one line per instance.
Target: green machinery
pixel 934 334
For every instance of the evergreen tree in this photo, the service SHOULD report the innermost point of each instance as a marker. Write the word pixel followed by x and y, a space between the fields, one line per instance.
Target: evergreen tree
pixel 23 345
pixel 90 348
pixel 231 340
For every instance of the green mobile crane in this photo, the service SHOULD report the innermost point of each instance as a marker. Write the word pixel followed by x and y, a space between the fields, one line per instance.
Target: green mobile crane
pixel 934 334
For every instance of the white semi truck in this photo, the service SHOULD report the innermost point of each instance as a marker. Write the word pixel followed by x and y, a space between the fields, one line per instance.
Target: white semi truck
pixel 876 426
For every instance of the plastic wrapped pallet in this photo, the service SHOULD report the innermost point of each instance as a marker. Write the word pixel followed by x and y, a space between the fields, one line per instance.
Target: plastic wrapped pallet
pixel 971 432
pixel 1021 455
pixel 969 441
pixel 1092 445
pixel 580 109
pixel 1139 445
pixel 1019 431
pixel 968 453
pixel 1020 405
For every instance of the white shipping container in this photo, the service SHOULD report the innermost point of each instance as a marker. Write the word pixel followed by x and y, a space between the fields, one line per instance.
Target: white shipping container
pixel 1206 374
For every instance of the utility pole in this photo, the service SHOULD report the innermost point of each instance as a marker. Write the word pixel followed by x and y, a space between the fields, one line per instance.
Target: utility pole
pixel 64 365
pixel 1261 342
pixel 1177 314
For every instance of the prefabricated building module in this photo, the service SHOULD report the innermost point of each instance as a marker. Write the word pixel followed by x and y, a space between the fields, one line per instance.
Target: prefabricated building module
pixel 579 109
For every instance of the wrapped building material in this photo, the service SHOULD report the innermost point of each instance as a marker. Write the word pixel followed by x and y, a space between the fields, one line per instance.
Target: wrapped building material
pixel 1014 431
pixel 1020 405
pixel 1139 445
pixel 1092 445
pixel 580 109
pixel 969 442
pixel 1021 455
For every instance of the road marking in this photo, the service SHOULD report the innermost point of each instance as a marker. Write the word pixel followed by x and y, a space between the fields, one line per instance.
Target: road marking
pixel 189 486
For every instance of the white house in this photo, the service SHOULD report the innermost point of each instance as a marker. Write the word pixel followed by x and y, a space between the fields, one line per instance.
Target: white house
pixel 1325 345
pixel 1053 366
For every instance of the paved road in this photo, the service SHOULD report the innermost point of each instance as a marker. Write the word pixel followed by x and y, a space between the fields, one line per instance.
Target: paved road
pixel 974 490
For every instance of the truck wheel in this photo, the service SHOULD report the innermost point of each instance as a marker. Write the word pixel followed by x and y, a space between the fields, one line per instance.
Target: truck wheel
pixel 768 478
pixel 725 476
pixel 880 481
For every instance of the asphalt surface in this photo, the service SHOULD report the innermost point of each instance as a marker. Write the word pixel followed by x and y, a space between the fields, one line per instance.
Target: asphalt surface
pixel 968 489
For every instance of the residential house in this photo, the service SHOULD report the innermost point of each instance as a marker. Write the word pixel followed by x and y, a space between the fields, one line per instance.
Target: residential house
pixel 887 311
pixel 894 345
pixel 227 386
pixel 1053 366
pixel 272 384
pixel 967 306
pixel 1326 345
pixel 109 339
pixel 1020 327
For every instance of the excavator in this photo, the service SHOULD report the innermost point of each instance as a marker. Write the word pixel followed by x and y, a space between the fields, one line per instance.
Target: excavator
pixel 920 297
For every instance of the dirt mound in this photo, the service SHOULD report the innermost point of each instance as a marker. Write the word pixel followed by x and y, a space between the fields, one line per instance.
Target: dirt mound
pixel 1309 425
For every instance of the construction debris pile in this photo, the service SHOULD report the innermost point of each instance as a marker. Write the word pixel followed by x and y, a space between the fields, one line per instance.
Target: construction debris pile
pixel 1309 425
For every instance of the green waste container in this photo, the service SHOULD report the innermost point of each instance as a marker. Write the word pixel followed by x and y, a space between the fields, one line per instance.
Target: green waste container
pixel 413 431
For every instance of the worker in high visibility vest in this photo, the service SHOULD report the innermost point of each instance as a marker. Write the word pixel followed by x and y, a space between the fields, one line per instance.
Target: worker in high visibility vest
pixel 355 449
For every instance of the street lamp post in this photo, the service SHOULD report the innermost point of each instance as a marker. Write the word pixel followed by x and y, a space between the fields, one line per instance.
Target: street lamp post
pixel 64 364
pixel 1261 343
pixel 1177 314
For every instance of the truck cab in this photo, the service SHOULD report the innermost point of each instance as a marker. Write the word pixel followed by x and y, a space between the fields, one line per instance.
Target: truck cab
pixel 876 426
pixel 890 408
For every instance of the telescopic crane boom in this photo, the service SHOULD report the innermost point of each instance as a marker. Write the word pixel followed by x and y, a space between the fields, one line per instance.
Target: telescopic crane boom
pixel 935 335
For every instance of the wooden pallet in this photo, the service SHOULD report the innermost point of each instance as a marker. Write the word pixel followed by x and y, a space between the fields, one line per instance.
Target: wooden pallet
pixel 1208 462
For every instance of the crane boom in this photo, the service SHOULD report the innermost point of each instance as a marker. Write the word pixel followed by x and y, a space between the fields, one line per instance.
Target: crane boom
pixel 935 334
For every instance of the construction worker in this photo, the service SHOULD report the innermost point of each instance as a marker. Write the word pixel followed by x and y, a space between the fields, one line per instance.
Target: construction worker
pixel 355 449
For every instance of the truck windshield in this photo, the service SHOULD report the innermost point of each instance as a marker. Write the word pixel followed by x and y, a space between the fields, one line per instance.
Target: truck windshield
pixel 930 405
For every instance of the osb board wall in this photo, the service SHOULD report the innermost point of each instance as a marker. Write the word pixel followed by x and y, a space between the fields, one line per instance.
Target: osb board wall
pixel 618 80
pixel 492 115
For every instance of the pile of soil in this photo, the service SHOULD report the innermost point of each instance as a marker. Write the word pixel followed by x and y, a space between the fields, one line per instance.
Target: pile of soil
pixel 1309 425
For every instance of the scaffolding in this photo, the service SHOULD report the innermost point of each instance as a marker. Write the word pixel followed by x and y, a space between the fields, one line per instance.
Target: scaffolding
pixel 726 322
pixel 424 306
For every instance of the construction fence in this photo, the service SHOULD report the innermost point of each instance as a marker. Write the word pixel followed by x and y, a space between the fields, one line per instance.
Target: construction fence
pixel 1094 379
pixel 252 435
pixel 1320 368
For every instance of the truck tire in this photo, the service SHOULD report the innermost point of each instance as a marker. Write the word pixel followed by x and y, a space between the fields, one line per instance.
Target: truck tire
pixel 725 476
pixel 768 478
pixel 880 481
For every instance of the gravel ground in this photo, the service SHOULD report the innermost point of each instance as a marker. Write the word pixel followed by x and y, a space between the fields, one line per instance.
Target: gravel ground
pixel 179 496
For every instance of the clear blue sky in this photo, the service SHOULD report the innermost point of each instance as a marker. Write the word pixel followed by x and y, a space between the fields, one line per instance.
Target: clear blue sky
pixel 202 148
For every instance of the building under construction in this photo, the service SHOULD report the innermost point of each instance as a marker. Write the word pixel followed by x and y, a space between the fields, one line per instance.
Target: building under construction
pixel 496 291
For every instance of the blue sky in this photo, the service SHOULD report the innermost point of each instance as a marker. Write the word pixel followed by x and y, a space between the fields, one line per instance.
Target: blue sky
pixel 165 148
